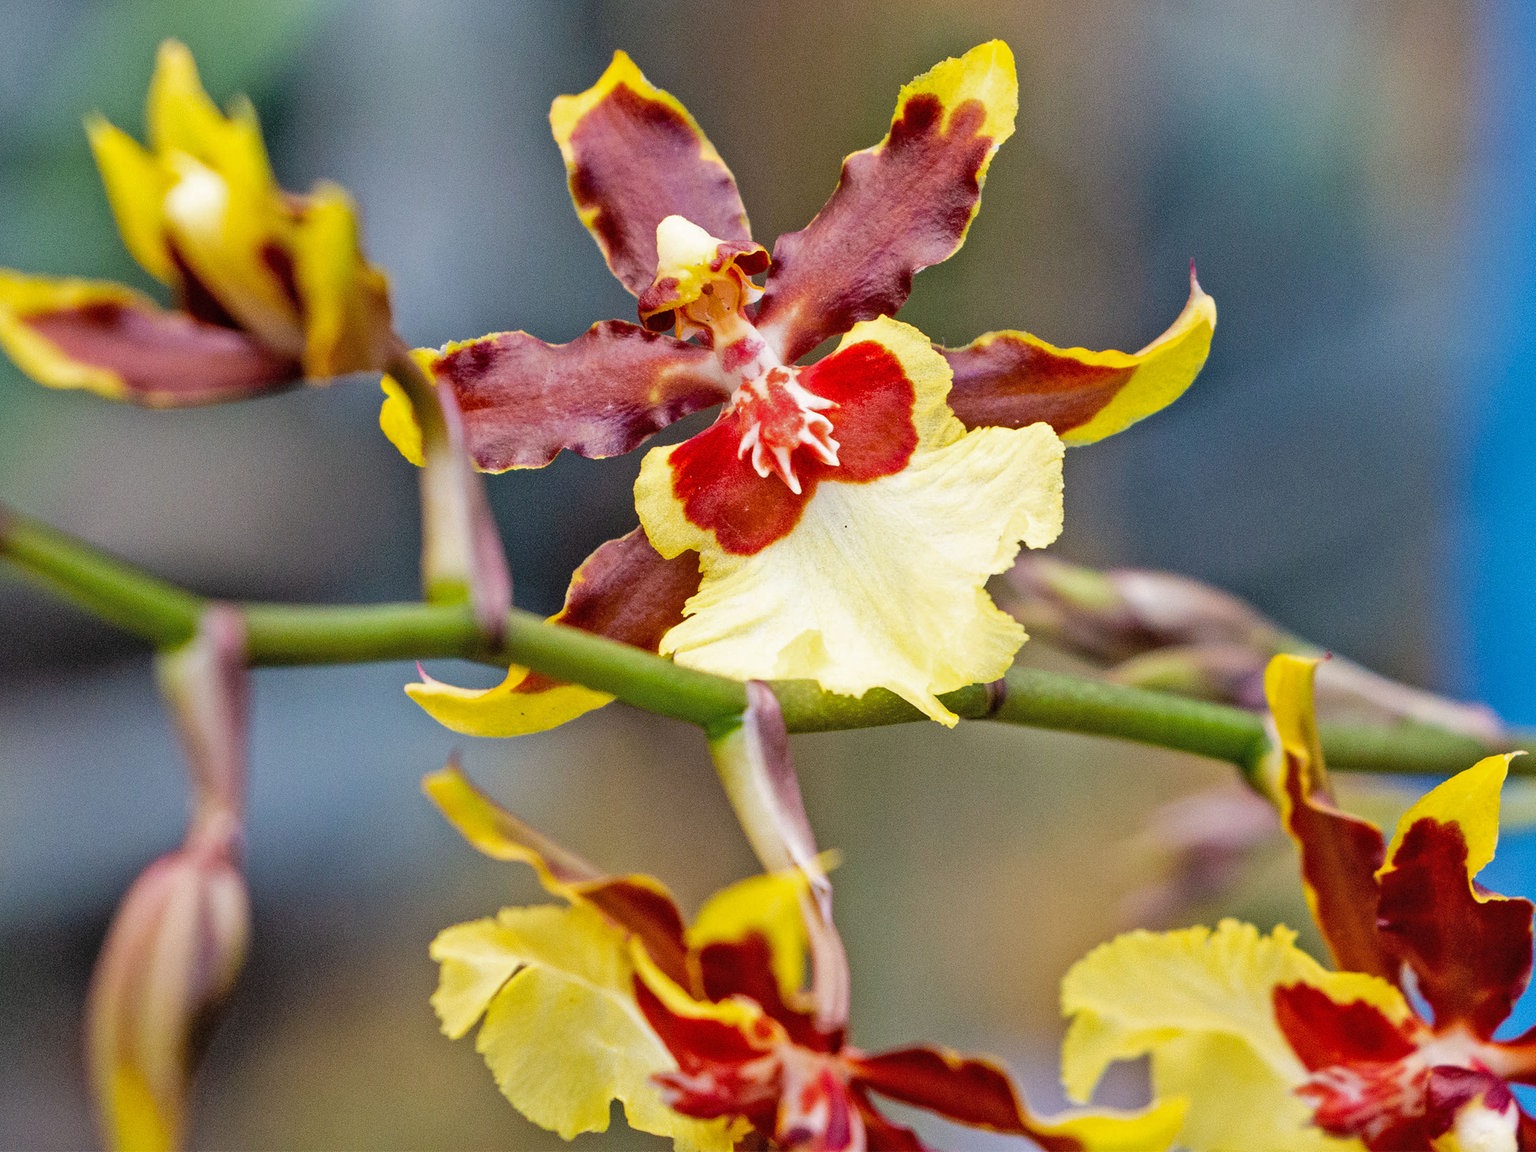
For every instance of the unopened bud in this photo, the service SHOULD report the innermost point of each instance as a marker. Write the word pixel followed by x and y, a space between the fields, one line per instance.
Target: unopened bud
pixel 1173 634
pixel 1112 616
pixel 170 958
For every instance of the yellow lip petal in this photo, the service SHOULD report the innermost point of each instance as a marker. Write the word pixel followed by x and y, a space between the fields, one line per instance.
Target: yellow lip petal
pixel 880 584
pixel 562 1032
pixel 1200 1002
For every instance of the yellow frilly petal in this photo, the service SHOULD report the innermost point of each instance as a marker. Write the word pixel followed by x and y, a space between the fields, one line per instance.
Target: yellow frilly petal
pixel 881 584
pixel 503 710
pixel 1160 373
pixel 1469 800
pixel 136 183
pixel 562 1032
pixel 1200 1002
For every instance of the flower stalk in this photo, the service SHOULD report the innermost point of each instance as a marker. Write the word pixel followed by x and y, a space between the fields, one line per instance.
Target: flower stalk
pixel 301 634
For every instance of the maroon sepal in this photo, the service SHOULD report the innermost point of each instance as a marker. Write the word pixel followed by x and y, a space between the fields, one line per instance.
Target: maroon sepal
pixel 1007 382
pixel 1340 854
pixel 165 359
pixel 1472 956
pixel 966 1090
pixel 600 395
pixel 635 159
pixel 897 210
pixel 626 591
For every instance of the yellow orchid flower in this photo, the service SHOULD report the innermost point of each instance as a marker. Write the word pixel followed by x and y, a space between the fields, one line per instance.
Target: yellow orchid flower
pixel 270 287
pixel 1394 1051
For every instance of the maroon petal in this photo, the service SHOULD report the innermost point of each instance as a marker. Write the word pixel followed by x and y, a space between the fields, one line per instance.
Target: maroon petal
pixel 600 395
pixel 884 1135
pixel 1013 379
pixel 901 206
pixel 121 345
pixel 628 592
pixel 967 1090
pixel 1340 853
pixel 1470 950
pixel 634 156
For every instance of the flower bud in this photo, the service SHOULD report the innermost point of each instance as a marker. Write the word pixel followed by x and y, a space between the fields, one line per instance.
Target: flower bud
pixel 170 958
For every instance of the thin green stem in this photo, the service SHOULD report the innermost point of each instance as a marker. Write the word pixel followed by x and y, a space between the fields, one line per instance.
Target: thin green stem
pixel 103 585
pixel 279 634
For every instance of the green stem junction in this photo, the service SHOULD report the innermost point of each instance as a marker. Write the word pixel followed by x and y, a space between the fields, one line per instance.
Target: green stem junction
pixel 282 634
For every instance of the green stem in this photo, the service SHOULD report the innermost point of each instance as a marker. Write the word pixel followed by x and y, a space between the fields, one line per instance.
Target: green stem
pixel 279 634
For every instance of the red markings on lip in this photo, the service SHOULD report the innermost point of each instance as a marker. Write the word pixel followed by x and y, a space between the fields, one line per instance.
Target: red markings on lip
pixel 872 424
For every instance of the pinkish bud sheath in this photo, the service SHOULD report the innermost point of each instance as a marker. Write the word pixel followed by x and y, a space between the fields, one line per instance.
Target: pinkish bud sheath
pixel 179 937
pixel 752 759
pixel 207 689
pixel 170 958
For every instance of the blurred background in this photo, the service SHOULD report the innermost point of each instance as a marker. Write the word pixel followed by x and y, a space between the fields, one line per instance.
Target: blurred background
pixel 1352 179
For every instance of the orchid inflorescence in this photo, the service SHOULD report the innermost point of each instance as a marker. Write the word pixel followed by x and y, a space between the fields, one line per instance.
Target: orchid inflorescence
pixel 836 524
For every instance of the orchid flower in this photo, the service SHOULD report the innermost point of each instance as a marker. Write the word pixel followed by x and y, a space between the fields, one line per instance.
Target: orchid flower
pixel 702 1031
pixel 840 518
pixel 270 287
pixel 1395 1049
pixel 271 290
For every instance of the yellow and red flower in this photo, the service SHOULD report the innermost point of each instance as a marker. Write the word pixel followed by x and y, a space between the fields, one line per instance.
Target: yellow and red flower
pixel 840 518
pixel 270 287
pixel 703 1032
pixel 1393 1051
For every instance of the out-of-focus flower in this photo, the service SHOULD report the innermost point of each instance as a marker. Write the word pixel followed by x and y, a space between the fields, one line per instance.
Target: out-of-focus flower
pixel 1167 632
pixel 839 519
pixel 1393 1051
pixel 703 1032
pixel 179 937
pixel 270 287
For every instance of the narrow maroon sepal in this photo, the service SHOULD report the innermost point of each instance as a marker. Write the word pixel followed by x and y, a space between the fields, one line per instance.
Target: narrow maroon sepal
pixel 600 395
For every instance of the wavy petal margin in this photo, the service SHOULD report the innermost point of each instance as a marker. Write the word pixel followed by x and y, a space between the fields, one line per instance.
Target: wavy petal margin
pixel 1012 379
pixel 639 905
pixel 916 619
pixel 562 1032
pixel 1470 949
pixel 524 401
pixel 108 339
pixel 901 206
pixel 1340 852
pixel 1200 1003
pixel 634 156
pixel 625 591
